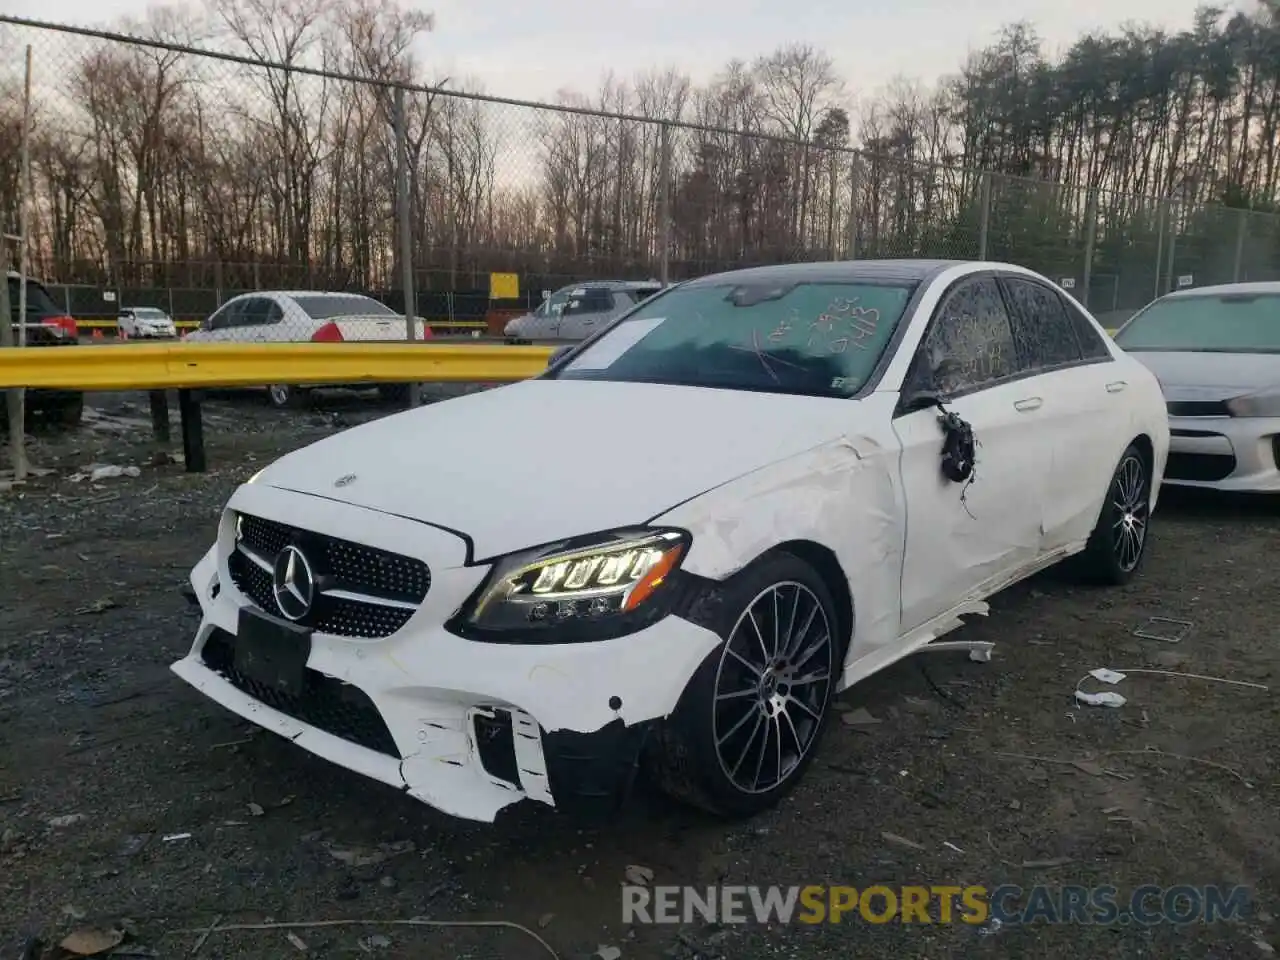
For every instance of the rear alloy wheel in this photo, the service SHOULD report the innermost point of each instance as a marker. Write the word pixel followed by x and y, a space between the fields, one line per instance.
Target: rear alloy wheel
pixel 749 721
pixel 1118 543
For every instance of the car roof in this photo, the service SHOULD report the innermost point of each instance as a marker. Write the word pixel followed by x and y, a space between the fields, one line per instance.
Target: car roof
pixel 1260 286
pixel 613 285
pixel 839 271
pixel 303 293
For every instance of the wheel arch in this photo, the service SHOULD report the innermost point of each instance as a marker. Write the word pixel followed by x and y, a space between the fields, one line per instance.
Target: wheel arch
pixel 824 562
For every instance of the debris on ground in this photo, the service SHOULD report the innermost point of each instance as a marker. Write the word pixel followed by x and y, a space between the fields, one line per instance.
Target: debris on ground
pixel 368 857
pixel 91 943
pixel 638 875
pixel 898 841
pixel 861 717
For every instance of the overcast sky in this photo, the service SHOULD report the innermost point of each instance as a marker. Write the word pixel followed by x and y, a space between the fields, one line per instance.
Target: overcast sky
pixel 530 50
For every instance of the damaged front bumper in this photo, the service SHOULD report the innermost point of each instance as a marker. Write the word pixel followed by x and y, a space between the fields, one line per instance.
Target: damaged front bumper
pixel 467 727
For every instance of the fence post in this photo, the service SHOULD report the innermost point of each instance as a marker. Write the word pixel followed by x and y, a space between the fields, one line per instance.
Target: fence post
pixel 855 188
pixel 1242 227
pixel 1172 282
pixel 1090 237
pixel 984 222
pixel 831 207
pixel 664 205
pixel 406 238
pixel 1161 217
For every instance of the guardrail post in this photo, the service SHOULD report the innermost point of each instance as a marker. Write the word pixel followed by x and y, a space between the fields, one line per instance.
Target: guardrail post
pixel 192 431
pixel 160 415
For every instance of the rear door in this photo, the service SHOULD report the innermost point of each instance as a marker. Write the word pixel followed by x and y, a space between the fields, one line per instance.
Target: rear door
pixel 962 536
pixel 1084 407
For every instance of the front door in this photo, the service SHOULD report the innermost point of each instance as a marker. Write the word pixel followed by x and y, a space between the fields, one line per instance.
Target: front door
pixel 962 535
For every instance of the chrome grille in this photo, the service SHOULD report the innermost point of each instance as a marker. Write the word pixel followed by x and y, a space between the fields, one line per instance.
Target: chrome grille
pixel 363 592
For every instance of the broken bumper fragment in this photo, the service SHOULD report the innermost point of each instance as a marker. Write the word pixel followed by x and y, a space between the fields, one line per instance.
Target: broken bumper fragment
pixel 466 726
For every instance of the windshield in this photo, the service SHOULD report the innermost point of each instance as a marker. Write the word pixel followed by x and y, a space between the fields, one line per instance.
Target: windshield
pixel 326 308
pixel 1216 323
pixel 147 313
pixel 817 339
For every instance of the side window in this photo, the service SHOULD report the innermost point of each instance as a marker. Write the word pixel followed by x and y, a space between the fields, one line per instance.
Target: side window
pixel 274 313
pixel 1042 332
pixel 1092 346
pixel 590 301
pixel 224 316
pixel 969 344
pixel 254 312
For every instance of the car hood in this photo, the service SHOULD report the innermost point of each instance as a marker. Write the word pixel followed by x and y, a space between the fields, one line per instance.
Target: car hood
pixel 537 461
pixel 1210 376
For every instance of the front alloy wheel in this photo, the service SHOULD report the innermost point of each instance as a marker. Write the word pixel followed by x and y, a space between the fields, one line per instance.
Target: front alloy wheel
pixel 751 717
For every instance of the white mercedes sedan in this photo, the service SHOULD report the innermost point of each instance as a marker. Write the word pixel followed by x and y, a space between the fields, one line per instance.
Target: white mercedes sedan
pixel 1216 353
pixel 671 550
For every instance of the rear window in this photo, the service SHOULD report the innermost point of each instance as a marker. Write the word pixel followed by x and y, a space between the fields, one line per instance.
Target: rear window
pixel 1215 323
pixel 330 308
pixel 39 303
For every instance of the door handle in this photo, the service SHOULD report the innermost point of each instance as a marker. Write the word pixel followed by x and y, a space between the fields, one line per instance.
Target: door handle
pixel 1027 405
pixel 1116 386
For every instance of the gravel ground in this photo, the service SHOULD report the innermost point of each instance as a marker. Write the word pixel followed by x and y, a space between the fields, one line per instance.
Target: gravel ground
pixel 986 770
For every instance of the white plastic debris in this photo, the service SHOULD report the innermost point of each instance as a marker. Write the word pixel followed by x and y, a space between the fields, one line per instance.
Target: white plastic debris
pixel 112 472
pixel 1107 698
pixel 1106 676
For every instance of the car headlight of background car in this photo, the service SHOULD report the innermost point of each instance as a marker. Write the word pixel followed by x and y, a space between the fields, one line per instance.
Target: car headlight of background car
pixel 1264 403
pixel 608 585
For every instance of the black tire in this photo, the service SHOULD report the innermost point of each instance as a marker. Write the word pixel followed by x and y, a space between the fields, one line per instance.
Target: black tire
pixel 732 713
pixel 1118 544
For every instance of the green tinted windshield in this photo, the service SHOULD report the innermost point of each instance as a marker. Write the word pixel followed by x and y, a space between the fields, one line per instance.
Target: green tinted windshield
pixel 820 339
pixel 1214 323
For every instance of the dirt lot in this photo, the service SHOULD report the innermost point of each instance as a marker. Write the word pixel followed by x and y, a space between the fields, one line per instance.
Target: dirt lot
pixel 104 754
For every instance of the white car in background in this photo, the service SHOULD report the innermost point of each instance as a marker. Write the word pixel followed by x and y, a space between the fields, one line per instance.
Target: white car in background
pixel 1216 352
pixel 284 316
pixel 751 492
pixel 146 323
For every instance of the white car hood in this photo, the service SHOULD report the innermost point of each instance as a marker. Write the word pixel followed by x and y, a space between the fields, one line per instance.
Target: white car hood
pixel 1210 376
pixel 541 460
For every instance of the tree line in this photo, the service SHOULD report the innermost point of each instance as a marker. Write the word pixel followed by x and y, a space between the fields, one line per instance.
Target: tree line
pixel 152 166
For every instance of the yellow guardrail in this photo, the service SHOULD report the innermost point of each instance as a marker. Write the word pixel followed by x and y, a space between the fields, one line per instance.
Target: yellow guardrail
pixel 172 366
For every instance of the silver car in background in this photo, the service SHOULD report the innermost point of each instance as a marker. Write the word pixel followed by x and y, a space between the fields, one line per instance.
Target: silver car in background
pixel 575 312
pixel 147 322
pixel 1216 352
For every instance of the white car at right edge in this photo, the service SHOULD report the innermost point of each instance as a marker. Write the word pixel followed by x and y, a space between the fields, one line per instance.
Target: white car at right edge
pixel 673 548
pixel 1216 352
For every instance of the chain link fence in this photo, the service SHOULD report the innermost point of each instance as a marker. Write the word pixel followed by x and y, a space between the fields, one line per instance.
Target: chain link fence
pixel 176 178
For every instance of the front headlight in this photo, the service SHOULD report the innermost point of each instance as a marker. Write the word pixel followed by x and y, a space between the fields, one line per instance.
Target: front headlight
pixel 1265 403
pixel 570 586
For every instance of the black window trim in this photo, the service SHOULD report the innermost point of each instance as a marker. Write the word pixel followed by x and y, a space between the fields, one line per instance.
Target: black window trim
pixel 1001 278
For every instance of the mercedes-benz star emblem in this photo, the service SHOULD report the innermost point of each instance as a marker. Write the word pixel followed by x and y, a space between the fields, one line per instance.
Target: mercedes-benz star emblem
pixel 293 583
